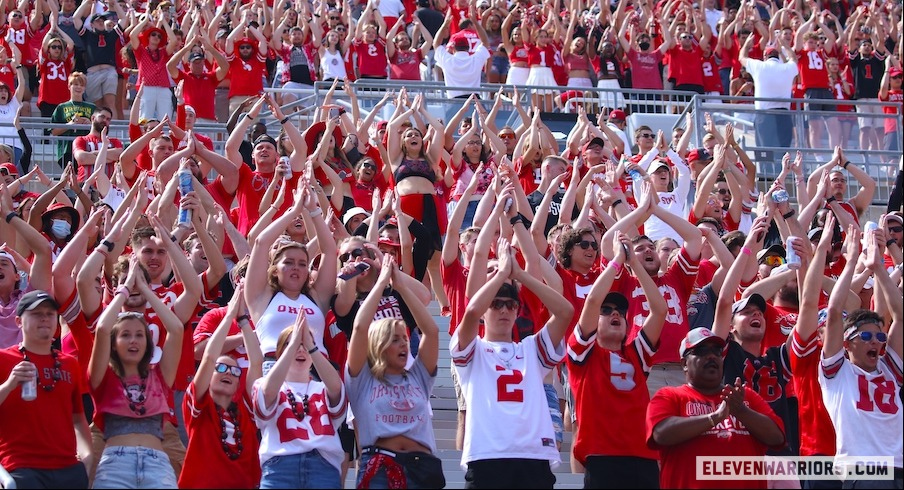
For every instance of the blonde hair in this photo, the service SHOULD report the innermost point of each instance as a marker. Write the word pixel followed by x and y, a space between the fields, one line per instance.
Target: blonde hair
pixel 379 336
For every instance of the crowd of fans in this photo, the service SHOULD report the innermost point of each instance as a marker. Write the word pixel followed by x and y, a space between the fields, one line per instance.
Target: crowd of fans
pixel 268 327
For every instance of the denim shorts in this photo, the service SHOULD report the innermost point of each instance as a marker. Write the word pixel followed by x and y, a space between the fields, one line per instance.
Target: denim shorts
pixel 305 470
pixel 552 399
pixel 134 467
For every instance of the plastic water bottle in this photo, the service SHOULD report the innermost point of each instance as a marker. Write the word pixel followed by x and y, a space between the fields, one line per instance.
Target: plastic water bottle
pixel 185 186
pixel 791 257
pixel 870 226
pixel 285 161
pixel 30 390
pixel 780 196
pixel 635 175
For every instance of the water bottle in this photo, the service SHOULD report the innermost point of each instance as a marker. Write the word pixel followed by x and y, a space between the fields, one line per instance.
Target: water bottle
pixel 780 196
pixel 870 226
pixel 285 161
pixel 791 257
pixel 30 390
pixel 185 186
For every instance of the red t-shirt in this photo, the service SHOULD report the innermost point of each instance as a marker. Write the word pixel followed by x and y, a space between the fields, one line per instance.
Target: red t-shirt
pixel 54 86
pixel 519 53
pixel 817 434
pixel 39 434
pixel 896 97
pixel 455 280
pixel 686 66
pixel 729 438
pixel 22 37
pixel 246 76
pixel 812 68
pixel 406 65
pixel 645 69
pixel 712 82
pixel 91 143
pixel 575 288
pixel 206 463
pixel 595 374
pixel 372 60
pixel 250 191
pixel 540 56
pixel 198 92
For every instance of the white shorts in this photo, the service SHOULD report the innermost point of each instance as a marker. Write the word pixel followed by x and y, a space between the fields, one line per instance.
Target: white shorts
pixel 541 76
pixel 517 75
pixel 582 82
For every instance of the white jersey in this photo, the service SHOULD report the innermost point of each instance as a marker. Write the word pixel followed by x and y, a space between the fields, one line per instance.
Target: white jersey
pixel 674 202
pixel 865 408
pixel 282 433
pixel 502 382
pixel 281 313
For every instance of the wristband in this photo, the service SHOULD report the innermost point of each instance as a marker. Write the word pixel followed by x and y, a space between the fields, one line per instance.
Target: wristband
pixel 102 252
pixel 108 244
pixel 10 216
pixel 123 291
pixel 317 212
pixel 745 251
pixel 284 120
pixel 890 242
pixel 788 215
pixel 313 349
pixel 516 219
pixel 831 199
pixel 617 202
pixel 615 265
pixel 846 164
pixel 243 318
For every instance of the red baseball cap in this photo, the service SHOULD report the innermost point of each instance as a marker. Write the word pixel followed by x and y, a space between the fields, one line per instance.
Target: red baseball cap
pixel 9 168
pixel 618 115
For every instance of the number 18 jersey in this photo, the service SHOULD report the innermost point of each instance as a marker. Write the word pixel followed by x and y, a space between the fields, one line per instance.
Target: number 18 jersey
pixel 502 382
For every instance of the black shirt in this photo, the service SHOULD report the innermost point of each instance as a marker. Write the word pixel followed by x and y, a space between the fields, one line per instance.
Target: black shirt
pixel 867 74
pixel 100 47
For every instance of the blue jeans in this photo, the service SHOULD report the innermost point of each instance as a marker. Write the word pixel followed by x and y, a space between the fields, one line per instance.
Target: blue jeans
pixel 379 480
pixel 134 467
pixel 552 399
pixel 306 470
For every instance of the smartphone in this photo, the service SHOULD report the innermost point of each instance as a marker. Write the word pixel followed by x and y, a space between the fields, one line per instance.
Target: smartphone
pixel 359 269
pixel 334 112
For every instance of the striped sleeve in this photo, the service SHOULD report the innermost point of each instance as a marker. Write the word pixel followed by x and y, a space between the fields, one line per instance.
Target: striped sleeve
pixel 830 366
pixel 549 355
pixel 801 347
pixel 462 357
pixel 262 413
pixel 190 401
pixel 645 351
pixel 688 265
pixel 892 361
pixel 786 362
pixel 578 347
pixel 337 412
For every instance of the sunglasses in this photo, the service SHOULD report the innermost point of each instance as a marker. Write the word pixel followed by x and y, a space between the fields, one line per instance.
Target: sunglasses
pixel 17 16
pixel 340 29
pixel 773 260
pixel 354 254
pixel 155 34
pixel 511 304
pixel 608 310
pixel 369 165
pixel 333 18
pixel 705 350
pixel 723 192
pixel 896 229
pixel 246 47
pixel 685 37
pixel 868 336
pixel 585 244
pixel 507 136
pixel 55 46
pixel 647 135
pixel 226 368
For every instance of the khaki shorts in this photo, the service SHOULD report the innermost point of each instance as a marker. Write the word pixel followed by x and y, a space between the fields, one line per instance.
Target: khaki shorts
pixel 870 116
pixel 101 82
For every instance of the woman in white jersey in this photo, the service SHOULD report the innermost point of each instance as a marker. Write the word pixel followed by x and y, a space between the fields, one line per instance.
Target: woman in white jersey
pixel 278 282
pixel 392 403
pixel 509 436
pixel 298 416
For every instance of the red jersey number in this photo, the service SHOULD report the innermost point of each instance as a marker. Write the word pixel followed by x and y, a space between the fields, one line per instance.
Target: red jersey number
pixel 882 398
pixel 504 393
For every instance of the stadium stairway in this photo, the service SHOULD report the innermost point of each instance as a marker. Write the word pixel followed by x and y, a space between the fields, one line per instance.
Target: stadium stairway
pixel 444 422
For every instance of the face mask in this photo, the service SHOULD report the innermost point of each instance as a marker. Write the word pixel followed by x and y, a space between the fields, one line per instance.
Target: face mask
pixel 60 228
pixel 644 46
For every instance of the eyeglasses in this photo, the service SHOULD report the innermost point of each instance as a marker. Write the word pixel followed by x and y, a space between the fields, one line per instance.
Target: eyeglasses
pixel 353 254
pixel 511 304
pixel 896 229
pixel 507 136
pixel 474 142
pixel 608 310
pixel 226 368
pixel 868 336
pixel 773 260
pixel 585 244
pixel 646 135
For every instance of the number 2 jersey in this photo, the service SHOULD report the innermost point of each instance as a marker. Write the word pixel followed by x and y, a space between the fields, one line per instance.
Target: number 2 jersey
pixel 865 408
pixel 508 416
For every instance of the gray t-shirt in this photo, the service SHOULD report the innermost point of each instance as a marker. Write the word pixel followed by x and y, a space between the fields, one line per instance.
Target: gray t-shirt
pixel 401 406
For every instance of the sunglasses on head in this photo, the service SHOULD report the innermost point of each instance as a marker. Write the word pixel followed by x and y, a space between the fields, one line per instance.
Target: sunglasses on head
pixel 585 244
pixel 896 229
pixel 511 304
pixel 773 260
pixel 226 368
pixel 607 310
pixel 353 254
pixel 868 336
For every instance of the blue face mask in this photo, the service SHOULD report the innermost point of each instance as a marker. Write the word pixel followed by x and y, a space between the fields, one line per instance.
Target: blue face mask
pixel 60 228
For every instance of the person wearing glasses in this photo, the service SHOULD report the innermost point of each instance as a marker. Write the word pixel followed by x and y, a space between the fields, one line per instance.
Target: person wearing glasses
pixel 894 233
pixel 502 380
pixel 604 362
pixel 56 62
pixel 129 389
pixel 222 447
pixel 247 59
pixel 153 47
pixel 860 368
pixel 277 291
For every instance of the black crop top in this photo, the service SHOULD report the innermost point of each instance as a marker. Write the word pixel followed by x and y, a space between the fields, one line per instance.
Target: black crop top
pixel 411 167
